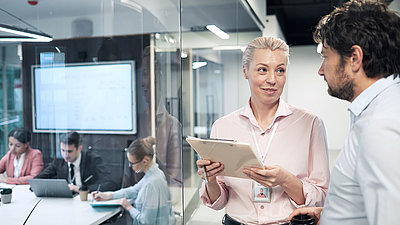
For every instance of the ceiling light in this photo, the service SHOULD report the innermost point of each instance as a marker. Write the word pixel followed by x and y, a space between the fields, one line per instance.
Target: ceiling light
pixel 229 47
pixel 184 55
pixel 196 65
pixel 25 35
pixel 133 5
pixel 221 34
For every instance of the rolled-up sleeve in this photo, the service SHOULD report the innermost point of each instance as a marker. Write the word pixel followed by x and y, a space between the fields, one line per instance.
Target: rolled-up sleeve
pixel 221 201
pixel 315 185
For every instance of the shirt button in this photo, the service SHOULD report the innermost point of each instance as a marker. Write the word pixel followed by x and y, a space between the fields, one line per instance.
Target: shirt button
pixel 262 207
pixel 263 133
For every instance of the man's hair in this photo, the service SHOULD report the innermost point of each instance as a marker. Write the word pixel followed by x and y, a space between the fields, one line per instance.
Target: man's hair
pixel 263 43
pixel 71 138
pixel 142 147
pixel 368 24
pixel 21 134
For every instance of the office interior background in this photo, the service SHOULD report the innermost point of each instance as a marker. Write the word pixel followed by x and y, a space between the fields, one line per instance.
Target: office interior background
pixel 181 77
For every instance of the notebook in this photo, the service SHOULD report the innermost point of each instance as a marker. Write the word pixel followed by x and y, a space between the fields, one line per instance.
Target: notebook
pixel 113 202
pixel 51 188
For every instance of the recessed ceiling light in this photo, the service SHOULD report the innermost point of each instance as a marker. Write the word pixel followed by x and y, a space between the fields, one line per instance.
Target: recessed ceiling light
pixel 24 35
pixel 220 33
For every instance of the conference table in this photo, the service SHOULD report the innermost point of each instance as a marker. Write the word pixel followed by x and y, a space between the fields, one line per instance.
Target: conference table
pixel 26 208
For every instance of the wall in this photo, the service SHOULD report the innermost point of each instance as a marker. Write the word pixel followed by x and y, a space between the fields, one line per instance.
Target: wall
pixel 308 90
pixel 304 88
pixel 395 5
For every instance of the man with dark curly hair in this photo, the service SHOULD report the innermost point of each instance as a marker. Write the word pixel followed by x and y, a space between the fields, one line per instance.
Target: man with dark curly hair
pixel 360 47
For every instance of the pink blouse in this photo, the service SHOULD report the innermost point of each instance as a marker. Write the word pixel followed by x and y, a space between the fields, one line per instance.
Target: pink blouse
pixel 299 146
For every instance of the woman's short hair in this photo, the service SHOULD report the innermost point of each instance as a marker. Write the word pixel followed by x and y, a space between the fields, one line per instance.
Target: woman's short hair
pixel 21 134
pixel 142 147
pixel 263 43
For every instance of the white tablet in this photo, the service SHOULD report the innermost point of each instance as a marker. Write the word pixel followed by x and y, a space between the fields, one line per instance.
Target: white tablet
pixel 234 155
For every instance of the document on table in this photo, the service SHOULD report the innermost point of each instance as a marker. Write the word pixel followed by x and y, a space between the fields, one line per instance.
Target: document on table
pixel 113 202
pixel 234 155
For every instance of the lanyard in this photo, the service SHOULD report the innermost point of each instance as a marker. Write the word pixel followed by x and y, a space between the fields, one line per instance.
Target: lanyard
pixel 275 126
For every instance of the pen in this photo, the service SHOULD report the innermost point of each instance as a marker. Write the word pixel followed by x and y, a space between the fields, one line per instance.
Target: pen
pixel 87 179
pixel 205 174
pixel 98 188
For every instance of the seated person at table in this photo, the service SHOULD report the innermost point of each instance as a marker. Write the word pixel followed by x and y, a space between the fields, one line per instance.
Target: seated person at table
pixel 79 167
pixel 151 193
pixel 21 161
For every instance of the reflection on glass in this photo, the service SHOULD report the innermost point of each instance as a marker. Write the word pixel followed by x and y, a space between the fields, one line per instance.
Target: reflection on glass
pixel 168 148
pixel 168 106
pixel 168 129
pixel 10 95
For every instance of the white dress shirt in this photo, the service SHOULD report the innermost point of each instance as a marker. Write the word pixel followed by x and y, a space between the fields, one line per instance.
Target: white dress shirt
pixel 77 172
pixel 18 163
pixel 365 180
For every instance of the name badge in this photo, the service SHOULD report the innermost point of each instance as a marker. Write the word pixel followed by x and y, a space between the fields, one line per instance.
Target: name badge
pixel 261 193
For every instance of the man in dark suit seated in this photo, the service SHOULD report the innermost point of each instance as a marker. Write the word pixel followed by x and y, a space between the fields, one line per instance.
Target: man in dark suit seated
pixel 79 167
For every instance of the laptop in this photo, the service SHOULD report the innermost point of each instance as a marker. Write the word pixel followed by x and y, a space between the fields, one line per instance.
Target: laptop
pixel 51 188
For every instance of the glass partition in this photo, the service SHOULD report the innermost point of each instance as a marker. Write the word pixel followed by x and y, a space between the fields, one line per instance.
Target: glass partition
pixel 212 81
pixel 182 77
pixel 10 93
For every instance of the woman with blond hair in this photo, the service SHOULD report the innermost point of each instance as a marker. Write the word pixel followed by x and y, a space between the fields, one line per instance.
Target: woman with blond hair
pixel 152 201
pixel 290 141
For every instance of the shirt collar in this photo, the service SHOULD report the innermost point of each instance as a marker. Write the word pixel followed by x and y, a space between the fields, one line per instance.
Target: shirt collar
pixel 282 111
pixel 365 98
pixel 21 159
pixel 77 162
pixel 152 168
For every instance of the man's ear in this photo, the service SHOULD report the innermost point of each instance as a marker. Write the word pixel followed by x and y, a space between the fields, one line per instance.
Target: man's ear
pixel 245 73
pixel 356 58
pixel 146 159
pixel 80 148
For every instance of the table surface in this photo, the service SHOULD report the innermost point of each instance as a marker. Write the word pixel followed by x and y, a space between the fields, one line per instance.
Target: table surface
pixel 50 210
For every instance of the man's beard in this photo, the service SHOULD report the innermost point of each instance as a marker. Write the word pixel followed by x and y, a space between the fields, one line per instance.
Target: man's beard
pixel 345 89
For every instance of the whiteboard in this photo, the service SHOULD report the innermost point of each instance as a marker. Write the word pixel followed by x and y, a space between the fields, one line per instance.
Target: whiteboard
pixel 85 97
